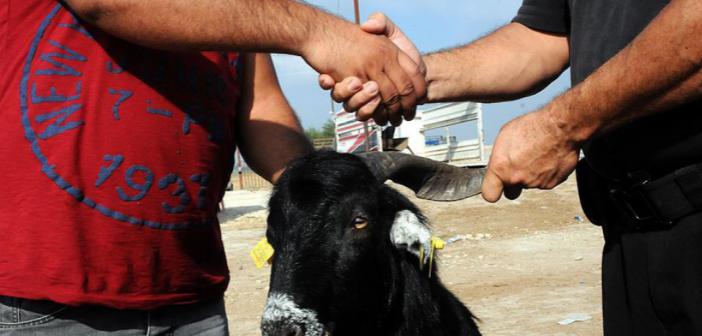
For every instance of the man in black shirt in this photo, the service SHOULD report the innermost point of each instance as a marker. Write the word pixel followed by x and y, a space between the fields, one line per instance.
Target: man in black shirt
pixel 636 68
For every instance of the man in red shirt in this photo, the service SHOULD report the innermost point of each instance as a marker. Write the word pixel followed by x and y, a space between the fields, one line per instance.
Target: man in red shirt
pixel 119 123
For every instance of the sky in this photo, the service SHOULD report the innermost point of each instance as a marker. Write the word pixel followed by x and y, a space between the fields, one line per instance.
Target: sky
pixel 432 25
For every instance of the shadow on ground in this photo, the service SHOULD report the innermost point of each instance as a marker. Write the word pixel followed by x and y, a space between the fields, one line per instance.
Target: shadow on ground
pixel 233 213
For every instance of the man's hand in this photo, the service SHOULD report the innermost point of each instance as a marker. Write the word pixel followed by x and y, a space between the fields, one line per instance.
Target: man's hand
pixel 532 151
pixel 364 98
pixel 368 57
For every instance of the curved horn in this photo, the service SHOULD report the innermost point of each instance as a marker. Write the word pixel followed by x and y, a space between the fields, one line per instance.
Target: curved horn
pixel 429 179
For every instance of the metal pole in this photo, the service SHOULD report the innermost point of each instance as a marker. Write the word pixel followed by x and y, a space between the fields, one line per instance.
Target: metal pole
pixel 481 133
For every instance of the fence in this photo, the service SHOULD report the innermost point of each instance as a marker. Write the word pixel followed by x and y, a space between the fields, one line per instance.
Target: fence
pixel 248 180
pixel 320 143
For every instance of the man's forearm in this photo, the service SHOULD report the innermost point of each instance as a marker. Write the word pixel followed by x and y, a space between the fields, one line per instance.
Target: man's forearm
pixel 510 63
pixel 283 26
pixel 269 134
pixel 658 71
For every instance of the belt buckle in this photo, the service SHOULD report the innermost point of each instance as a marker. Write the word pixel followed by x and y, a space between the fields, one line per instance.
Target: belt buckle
pixel 634 202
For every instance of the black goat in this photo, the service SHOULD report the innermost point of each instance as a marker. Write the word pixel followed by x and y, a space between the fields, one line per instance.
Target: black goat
pixel 346 252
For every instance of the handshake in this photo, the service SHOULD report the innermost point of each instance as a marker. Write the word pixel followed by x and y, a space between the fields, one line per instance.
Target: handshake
pixel 383 77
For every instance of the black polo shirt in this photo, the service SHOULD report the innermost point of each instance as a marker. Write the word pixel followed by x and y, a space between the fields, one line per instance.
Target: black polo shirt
pixel 598 30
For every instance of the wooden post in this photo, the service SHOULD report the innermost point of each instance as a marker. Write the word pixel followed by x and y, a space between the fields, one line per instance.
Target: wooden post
pixel 357 12
pixel 239 168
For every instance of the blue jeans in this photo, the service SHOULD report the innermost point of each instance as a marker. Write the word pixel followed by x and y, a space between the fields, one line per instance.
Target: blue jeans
pixel 20 317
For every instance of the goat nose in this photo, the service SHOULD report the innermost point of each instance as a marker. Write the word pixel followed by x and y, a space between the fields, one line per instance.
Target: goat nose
pixel 291 331
pixel 283 330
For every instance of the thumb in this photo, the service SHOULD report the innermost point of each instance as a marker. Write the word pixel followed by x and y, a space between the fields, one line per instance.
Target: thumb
pixel 492 187
pixel 378 24
pixel 373 26
pixel 326 82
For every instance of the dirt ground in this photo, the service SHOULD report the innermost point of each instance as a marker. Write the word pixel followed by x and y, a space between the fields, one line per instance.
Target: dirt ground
pixel 521 266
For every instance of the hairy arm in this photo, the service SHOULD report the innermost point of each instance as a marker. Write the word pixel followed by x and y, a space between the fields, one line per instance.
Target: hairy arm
pixel 660 70
pixel 268 132
pixel 285 26
pixel 243 25
pixel 512 62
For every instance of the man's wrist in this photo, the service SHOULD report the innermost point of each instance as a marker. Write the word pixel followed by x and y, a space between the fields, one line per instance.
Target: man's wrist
pixel 574 124
pixel 433 77
pixel 321 34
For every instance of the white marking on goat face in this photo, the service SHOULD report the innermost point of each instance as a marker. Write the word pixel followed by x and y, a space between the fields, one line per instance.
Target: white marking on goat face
pixel 281 312
pixel 409 232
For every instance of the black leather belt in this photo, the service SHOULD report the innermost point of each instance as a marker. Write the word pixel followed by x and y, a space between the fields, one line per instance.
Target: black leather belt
pixel 663 200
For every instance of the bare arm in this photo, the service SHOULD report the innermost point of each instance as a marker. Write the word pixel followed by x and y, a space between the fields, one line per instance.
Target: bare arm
pixel 657 71
pixel 268 132
pixel 285 26
pixel 512 62
pixel 245 25
pixel 661 69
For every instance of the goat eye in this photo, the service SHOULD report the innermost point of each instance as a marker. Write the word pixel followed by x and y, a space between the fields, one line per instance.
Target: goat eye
pixel 360 223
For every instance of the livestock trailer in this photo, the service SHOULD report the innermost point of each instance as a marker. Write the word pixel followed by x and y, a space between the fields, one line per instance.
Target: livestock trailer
pixel 353 136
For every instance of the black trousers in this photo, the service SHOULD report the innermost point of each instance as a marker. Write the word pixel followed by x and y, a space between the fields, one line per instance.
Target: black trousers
pixel 652 280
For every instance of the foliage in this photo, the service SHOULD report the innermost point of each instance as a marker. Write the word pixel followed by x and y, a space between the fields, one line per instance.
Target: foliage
pixel 326 131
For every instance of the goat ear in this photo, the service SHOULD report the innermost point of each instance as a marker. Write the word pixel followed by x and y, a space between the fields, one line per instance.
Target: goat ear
pixel 409 232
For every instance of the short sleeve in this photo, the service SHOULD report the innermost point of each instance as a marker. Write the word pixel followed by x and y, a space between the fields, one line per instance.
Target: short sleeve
pixel 546 15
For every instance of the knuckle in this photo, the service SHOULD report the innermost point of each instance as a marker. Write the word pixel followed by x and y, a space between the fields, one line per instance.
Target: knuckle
pixel 393 99
pixel 518 178
pixel 348 108
pixel 550 185
pixel 499 164
pixel 416 72
pixel 407 90
pixel 392 109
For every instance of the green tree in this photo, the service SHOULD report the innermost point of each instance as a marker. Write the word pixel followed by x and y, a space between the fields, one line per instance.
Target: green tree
pixel 326 131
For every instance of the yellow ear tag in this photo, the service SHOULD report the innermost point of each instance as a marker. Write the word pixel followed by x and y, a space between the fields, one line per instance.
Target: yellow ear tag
pixel 262 253
pixel 436 244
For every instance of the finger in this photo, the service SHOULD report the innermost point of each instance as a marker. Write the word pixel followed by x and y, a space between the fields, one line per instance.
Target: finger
pixel 492 187
pixel 418 81
pixel 345 89
pixel 363 97
pixel 390 99
pixel 513 192
pixel 326 82
pixel 404 85
pixel 396 119
pixel 366 112
pixel 381 115
pixel 409 115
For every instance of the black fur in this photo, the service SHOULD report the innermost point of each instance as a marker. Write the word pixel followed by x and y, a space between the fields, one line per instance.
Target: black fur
pixel 356 280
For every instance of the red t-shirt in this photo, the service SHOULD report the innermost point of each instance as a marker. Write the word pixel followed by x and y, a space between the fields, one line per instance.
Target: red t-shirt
pixel 113 158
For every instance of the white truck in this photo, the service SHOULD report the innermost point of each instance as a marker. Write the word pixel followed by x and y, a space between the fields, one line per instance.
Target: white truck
pixel 353 136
